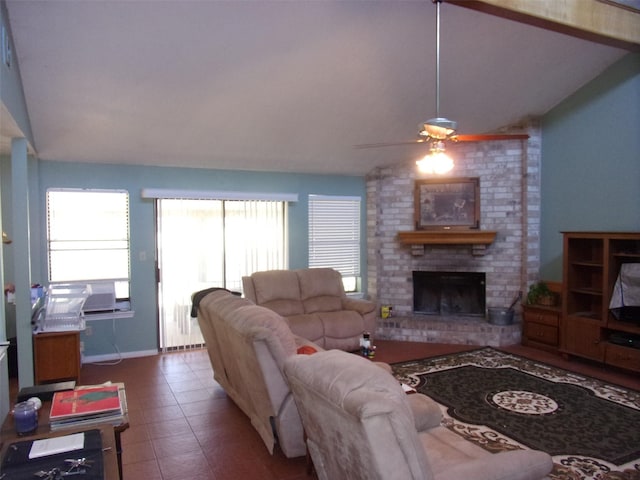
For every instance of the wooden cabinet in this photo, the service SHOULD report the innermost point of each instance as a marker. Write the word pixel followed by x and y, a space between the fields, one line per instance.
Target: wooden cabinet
pixel 56 356
pixel 583 337
pixel 624 357
pixel 591 264
pixel 541 327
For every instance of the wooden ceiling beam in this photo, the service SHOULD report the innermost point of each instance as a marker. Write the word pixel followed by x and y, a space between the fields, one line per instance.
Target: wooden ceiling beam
pixel 609 22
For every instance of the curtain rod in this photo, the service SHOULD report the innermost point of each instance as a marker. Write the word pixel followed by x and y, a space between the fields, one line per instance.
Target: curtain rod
pixel 216 195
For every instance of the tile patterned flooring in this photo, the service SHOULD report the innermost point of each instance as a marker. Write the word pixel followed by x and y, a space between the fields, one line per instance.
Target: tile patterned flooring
pixel 183 426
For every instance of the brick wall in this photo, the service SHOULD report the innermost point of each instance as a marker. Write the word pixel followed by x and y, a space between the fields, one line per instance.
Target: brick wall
pixel 509 173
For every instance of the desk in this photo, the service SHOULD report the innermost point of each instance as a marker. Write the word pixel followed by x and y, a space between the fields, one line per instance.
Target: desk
pixel 109 457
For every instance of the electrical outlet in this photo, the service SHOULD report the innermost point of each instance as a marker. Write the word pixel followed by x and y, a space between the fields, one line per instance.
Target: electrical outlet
pixel 81 347
pixel 88 331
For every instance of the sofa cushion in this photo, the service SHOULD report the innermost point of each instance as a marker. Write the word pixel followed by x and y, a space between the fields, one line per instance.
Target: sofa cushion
pixel 342 324
pixel 308 326
pixel 322 303
pixel 286 308
pixel 318 282
pixel 279 291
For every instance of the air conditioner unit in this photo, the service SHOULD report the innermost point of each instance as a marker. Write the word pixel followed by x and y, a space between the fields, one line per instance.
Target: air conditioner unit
pixel 102 296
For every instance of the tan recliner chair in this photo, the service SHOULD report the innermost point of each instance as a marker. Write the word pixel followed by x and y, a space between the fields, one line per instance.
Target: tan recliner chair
pixel 361 425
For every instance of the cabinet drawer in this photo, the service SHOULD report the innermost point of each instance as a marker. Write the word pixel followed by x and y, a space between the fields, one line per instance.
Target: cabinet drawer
pixel 624 357
pixel 537 332
pixel 541 316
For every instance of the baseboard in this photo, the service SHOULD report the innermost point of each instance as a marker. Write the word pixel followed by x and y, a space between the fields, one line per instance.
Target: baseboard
pixel 110 357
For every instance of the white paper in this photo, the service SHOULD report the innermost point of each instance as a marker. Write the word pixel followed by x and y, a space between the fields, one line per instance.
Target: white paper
pixel 407 389
pixel 51 446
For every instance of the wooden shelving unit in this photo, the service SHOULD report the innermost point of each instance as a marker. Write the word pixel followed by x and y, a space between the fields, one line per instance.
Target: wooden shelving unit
pixel 56 356
pixel 591 263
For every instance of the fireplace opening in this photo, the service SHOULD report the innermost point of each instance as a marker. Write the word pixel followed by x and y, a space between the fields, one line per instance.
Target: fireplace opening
pixel 449 293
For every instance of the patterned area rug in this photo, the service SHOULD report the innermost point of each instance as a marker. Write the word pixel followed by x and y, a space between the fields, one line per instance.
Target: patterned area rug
pixel 503 402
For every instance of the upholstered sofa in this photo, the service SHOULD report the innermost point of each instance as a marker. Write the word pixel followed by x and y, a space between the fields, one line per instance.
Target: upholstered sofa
pixel 315 305
pixel 247 345
pixel 361 425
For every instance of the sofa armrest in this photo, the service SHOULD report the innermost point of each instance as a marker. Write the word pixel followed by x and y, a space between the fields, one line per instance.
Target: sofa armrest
pixel 358 304
pixel 249 289
pixel 426 412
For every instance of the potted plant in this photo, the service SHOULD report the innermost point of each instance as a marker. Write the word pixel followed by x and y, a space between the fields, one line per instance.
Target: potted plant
pixel 540 294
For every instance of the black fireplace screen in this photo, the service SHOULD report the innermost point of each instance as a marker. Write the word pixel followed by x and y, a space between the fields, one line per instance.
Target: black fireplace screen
pixel 449 293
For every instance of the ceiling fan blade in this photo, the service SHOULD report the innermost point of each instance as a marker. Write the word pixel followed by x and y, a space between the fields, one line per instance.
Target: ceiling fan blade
pixel 389 144
pixel 488 137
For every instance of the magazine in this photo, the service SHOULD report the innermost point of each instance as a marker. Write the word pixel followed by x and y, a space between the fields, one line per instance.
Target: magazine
pixel 89 402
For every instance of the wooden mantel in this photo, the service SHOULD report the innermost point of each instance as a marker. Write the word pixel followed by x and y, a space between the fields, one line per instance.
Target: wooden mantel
pixel 478 239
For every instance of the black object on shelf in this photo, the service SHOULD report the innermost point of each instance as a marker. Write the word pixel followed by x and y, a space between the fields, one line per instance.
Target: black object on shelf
pixel 45 392
pixel 625 339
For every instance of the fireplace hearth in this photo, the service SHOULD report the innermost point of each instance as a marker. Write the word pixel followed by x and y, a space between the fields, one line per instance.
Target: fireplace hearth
pixel 449 293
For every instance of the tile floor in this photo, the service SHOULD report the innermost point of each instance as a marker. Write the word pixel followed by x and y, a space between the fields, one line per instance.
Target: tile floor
pixel 183 426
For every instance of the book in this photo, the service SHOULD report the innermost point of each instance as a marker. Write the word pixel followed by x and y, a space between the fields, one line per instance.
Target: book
pixel 83 402
pixel 94 404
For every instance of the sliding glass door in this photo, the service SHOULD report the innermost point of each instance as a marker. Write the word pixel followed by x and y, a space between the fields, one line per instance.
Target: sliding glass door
pixel 190 258
pixel 211 243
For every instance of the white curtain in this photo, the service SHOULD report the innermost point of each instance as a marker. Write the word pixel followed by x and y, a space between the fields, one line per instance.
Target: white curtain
pixel 211 243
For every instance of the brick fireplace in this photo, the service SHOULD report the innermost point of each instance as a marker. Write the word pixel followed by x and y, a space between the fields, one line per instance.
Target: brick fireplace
pixel 509 176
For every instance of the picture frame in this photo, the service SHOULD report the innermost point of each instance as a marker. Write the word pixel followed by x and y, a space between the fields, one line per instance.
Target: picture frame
pixel 447 203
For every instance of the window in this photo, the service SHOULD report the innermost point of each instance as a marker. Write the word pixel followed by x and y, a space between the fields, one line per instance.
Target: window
pixel 88 236
pixel 334 236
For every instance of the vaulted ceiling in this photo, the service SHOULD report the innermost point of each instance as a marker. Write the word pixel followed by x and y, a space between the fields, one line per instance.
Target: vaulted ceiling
pixel 278 85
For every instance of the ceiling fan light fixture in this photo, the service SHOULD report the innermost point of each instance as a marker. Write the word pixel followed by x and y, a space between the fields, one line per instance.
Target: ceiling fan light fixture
pixel 438 128
pixel 436 161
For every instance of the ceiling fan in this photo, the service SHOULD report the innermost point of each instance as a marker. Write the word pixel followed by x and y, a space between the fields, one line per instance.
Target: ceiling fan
pixel 438 130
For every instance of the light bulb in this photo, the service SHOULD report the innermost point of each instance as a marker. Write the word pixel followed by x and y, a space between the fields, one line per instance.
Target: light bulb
pixel 436 161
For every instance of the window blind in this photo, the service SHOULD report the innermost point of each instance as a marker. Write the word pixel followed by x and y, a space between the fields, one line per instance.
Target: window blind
pixel 87 234
pixel 334 233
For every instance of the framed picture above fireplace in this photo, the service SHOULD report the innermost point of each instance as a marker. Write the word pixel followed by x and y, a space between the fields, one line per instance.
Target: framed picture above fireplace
pixel 447 203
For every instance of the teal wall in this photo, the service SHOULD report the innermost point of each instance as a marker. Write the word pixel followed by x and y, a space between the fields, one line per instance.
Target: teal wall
pixel 591 161
pixel 140 333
